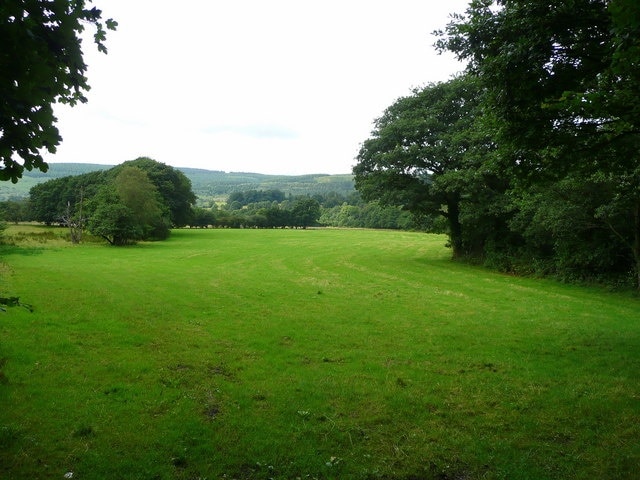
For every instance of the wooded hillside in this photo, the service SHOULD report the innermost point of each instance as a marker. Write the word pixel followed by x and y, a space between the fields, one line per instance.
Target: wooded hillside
pixel 207 184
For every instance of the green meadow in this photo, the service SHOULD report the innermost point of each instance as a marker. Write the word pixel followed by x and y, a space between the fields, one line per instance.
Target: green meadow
pixel 285 354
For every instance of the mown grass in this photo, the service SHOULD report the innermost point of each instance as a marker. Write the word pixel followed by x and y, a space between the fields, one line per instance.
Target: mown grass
pixel 256 354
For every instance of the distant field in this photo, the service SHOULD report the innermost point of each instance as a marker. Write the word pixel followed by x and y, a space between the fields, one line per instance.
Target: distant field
pixel 256 354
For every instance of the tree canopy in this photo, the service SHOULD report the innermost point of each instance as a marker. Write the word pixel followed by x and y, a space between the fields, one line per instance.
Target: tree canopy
pixel 540 165
pixel 128 209
pixel 421 151
pixel 41 63
pixel 173 187
pixel 562 79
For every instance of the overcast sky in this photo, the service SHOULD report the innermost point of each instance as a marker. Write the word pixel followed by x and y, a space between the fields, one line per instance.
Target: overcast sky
pixel 277 86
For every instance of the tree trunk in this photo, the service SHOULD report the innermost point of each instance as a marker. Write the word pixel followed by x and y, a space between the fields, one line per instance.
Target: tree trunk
pixel 636 243
pixel 455 228
pixel 108 239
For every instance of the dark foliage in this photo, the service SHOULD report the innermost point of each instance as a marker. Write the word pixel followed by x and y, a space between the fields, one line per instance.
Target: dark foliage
pixel 41 63
pixel 541 166
pixel 112 213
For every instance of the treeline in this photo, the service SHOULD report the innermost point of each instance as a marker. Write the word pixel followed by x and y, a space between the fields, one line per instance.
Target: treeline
pixel 50 203
pixel 275 209
pixel 531 155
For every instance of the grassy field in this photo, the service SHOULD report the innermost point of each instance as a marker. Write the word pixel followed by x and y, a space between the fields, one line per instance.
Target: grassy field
pixel 256 354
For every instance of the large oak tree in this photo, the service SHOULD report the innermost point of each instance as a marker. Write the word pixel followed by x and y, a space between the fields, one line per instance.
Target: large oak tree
pixel 423 153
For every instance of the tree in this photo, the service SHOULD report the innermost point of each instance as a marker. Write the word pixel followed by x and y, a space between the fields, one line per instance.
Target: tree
pixel 75 221
pixel 421 155
pixel 50 200
pixel 111 219
pixel 128 209
pixel 276 216
pixel 563 236
pixel 305 212
pixel 139 194
pixel 41 63
pixel 202 217
pixel 533 59
pixel 172 185
pixel 563 81
pixel 14 211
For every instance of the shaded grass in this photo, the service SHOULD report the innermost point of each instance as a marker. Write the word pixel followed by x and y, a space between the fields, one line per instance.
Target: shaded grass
pixel 311 354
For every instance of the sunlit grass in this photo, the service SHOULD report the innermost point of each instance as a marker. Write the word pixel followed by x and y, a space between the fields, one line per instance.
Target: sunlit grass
pixel 311 354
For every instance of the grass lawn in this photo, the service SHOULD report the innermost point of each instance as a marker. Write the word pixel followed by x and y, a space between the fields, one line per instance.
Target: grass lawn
pixel 351 354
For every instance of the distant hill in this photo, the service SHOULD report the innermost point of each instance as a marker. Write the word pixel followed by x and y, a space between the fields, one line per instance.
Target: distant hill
pixel 21 189
pixel 206 183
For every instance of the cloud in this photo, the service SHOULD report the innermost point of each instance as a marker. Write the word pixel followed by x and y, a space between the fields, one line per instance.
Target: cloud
pixel 274 87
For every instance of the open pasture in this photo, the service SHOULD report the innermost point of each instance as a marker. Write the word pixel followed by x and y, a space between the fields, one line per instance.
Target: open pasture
pixel 256 354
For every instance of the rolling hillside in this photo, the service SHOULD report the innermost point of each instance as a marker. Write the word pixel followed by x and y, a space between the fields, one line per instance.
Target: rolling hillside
pixel 206 183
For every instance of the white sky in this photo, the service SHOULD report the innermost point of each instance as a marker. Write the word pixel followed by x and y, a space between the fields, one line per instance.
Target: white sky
pixel 277 86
